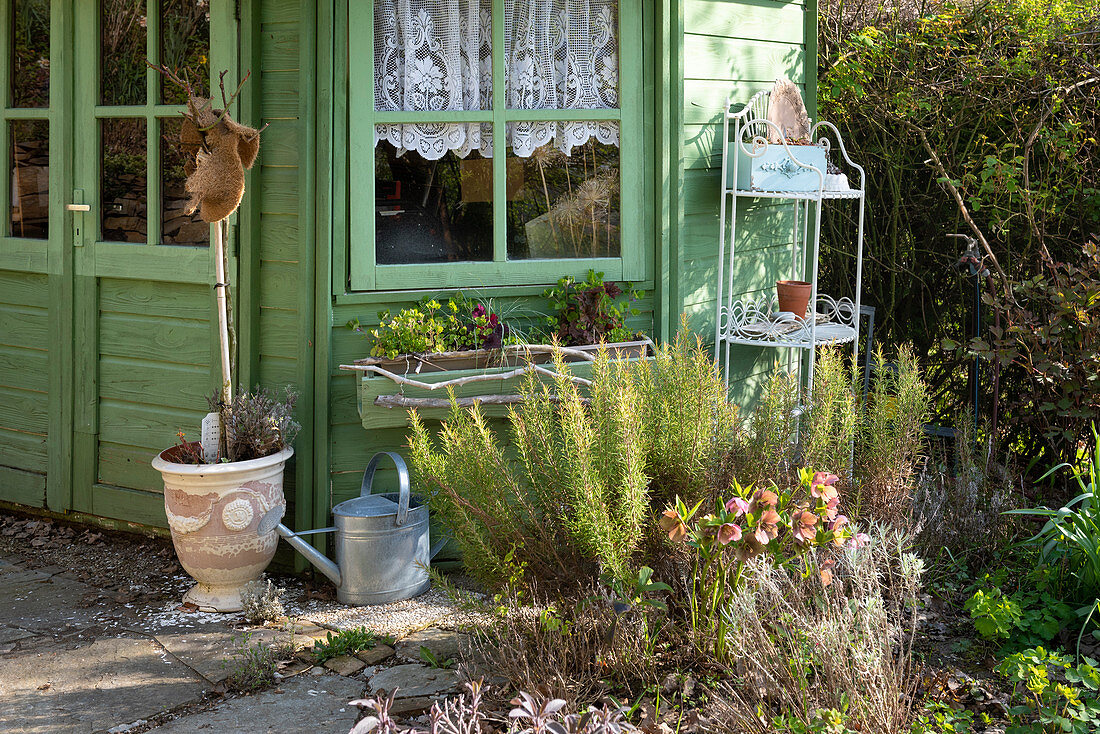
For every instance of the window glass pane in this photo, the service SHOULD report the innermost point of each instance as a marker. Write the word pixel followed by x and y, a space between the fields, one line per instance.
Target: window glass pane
pixel 30 178
pixel 567 205
pixel 431 55
pixel 177 227
pixel 561 54
pixel 122 180
pixel 185 46
pixel 122 51
pixel 30 64
pixel 432 211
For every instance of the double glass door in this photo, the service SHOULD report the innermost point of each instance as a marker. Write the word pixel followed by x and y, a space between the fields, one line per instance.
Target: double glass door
pixel 115 275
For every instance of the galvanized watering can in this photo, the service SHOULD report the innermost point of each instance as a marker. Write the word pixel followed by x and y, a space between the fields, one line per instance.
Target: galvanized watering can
pixel 382 545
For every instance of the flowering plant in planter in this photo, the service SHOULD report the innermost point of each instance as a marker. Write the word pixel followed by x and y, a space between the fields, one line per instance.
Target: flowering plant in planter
pixel 781 524
pixel 591 311
pixel 459 324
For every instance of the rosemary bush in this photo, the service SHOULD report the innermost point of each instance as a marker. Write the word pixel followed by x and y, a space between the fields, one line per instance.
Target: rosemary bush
pixel 573 496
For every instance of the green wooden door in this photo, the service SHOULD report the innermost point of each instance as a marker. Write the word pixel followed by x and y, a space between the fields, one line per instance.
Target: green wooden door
pixel 144 323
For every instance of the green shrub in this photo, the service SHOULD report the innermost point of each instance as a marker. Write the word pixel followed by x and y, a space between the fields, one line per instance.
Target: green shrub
pixel 344 642
pixel 591 311
pixel 1023 618
pixel 572 498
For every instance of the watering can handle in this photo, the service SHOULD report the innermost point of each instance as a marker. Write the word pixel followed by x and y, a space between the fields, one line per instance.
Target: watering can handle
pixel 402 478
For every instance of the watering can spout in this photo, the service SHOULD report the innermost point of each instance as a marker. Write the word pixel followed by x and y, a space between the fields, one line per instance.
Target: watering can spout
pixel 314 556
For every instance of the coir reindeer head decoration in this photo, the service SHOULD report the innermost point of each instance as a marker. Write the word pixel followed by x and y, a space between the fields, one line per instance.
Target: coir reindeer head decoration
pixel 219 149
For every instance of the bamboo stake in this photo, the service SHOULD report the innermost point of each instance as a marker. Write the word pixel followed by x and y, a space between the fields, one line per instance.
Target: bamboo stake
pixel 460 381
pixel 223 312
pixel 404 401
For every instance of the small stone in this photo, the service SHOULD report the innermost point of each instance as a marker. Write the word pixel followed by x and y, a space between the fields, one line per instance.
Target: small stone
pixel 317 670
pixel 346 665
pixel 375 655
pixel 411 706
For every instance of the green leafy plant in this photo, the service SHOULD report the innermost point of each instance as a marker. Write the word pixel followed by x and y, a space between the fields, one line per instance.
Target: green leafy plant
pixel 1072 532
pixel 824 721
pixel 1024 618
pixel 344 642
pixel 939 718
pixel 430 659
pixel 254 425
pixel 1057 695
pixel 431 326
pixel 591 311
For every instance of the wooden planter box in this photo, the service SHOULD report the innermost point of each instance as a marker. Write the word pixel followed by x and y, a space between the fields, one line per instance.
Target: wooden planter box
pixel 441 368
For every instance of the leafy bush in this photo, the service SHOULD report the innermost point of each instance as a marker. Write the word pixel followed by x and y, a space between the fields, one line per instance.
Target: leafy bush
pixel 591 311
pixel 252 666
pixel 1024 618
pixel 1051 339
pixel 261 602
pixel 1004 92
pixel 1057 695
pixel 572 501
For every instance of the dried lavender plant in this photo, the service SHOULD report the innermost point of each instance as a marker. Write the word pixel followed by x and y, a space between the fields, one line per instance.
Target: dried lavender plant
pixel 257 424
pixel 804 646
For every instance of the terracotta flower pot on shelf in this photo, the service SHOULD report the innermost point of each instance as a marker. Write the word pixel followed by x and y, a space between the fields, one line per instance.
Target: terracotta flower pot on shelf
pixel 214 513
pixel 794 296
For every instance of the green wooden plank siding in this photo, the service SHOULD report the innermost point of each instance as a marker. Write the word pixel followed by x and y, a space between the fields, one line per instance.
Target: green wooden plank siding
pixel 735 47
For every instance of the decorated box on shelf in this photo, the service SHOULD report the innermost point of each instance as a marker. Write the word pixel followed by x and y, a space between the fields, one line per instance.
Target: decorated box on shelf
pixel 776 170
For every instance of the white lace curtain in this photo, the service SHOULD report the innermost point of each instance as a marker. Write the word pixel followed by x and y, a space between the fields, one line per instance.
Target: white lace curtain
pixel 435 55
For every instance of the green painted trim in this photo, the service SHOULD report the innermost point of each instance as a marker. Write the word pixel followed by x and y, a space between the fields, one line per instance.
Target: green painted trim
pixel 810 56
pixel 307 502
pixel 339 269
pixel 30 113
pixel 360 62
pixel 154 110
pixel 397 277
pixel 378 297
pixel 82 518
pixel 248 254
pixel 485 274
pixel 327 107
pixel 25 487
pixel 675 158
pixel 59 468
pixel 153 202
pixel 22 255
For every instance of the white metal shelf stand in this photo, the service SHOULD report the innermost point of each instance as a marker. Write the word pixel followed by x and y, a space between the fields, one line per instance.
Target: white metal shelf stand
pixel 757 321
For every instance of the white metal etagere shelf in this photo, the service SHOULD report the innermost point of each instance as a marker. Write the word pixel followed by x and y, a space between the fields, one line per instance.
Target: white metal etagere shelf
pixel 757 321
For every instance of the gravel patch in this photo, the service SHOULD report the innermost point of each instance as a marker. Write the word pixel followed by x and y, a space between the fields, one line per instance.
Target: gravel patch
pixel 399 618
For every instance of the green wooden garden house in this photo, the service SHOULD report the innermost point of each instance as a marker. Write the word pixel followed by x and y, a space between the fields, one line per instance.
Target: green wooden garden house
pixel 376 184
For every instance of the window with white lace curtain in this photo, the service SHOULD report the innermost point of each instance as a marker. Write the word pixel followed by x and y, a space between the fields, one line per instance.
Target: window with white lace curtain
pixel 493 142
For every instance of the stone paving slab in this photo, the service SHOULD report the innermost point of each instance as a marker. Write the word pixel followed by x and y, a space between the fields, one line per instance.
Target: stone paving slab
pixel 38 601
pixel 314 704
pixel 206 651
pixel 66 689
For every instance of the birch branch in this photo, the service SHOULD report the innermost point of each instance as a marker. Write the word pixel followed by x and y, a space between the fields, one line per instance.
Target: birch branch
pixel 404 401
pixel 460 381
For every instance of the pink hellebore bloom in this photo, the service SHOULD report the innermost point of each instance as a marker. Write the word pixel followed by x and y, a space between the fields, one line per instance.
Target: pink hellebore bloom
pixel 822 485
pixel 729 533
pixel 804 530
pixel 671 524
pixel 859 540
pixel 831 507
pixel 762 536
pixel 739 504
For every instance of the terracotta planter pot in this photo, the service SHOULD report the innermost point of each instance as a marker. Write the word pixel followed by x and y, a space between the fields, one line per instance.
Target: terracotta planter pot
pixel 794 296
pixel 214 513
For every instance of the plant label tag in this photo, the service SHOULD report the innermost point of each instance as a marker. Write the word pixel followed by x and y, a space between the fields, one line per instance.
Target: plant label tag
pixel 211 437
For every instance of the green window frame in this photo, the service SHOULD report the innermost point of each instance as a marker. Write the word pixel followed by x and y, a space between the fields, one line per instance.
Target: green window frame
pixel 364 274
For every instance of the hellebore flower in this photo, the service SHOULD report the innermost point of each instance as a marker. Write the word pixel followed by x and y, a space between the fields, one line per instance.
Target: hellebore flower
pixel 728 533
pixel 822 485
pixel 739 504
pixel 859 540
pixel 766 497
pixel 826 572
pixel 804 526
pixel 671 524
pixel 831 507
pixel 837 526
